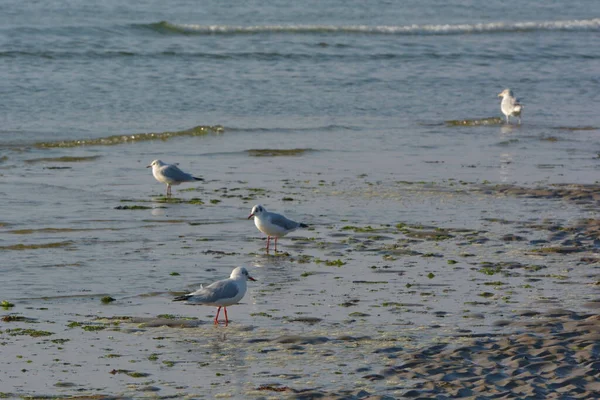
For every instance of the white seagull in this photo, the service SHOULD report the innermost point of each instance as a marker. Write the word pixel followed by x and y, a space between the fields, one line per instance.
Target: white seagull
pixel 510 106
pixel 221 293
pixel 170 174
pixel 272 224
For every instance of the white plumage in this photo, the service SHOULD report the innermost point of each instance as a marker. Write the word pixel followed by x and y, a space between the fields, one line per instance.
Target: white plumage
pixel 510 106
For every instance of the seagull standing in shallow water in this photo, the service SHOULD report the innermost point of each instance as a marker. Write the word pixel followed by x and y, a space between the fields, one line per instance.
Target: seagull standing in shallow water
pixel 170 174
pixel 222 293
pixel 510 105
pixel 272 224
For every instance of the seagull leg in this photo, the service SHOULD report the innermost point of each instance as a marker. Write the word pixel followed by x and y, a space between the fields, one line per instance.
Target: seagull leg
pixel 275 244
pixel 226 319
pixel 268 241
pixel 168 190
pixel 217 316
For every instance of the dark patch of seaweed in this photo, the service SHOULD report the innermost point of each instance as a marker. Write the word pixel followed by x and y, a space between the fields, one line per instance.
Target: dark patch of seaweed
pixel 277 152
pixel 62 159
pixel 133 138
pixel 475 122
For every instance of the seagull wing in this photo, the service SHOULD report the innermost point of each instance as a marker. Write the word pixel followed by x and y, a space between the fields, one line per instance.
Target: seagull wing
pixel 173 172
pixel 283 222
pixel 220 290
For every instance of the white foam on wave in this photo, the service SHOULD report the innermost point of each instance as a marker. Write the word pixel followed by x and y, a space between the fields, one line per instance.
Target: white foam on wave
pixel 585 24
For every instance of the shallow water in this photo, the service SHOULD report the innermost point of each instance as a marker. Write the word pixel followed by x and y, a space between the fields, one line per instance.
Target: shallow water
pixel 426 225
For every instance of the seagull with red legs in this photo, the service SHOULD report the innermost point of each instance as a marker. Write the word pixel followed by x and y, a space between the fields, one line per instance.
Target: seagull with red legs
pixel 273 224
pixel 223 293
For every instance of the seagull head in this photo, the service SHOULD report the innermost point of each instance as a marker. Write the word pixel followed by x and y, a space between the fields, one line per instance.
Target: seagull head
pixel 504 93
pixel 156 163
pixel 257 210
pixel 241 272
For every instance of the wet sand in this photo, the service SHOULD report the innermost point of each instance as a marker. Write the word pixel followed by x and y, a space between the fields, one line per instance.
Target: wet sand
pixel 461 290
pixel 473 280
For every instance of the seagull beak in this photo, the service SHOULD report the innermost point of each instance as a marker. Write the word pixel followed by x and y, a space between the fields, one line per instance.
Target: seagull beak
pixel 250 216
pixel 148 166
pixel 252 279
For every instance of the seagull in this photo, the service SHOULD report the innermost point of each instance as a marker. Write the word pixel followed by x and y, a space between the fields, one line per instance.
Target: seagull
pixel 170 174
pixel 510 106
pixel 272 224
pixel 221 293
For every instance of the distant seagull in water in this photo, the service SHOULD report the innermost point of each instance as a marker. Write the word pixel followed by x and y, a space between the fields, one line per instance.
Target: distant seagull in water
pixel 272 224
pixel 510 105
pixel 170 174
pixel 222 293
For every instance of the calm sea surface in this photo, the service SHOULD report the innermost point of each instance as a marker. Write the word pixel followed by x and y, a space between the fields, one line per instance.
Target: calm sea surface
pixel 363 90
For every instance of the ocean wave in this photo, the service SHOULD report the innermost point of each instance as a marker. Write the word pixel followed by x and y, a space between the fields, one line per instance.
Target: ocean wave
pixel 133 138
pixel 440 29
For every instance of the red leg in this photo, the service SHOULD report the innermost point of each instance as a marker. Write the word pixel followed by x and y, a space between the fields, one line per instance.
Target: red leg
pixel 226 319
pixel 268 241
pixel 275 244
pixel 217 316
pixel 168 190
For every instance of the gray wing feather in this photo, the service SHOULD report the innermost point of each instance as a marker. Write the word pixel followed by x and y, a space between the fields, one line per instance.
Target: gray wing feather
pixel 173 172
pixel 219 290
pixel 282 221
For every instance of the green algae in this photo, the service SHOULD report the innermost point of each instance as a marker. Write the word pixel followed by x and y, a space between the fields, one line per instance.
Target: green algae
pixel 167 316
pixel 67 159
pixel 22 246
pixel 134 207
pixel 490 270
pixel 107 299
pixel 330 263
pixel 261 314
pixel 475 122
pixel 18 318
pixel 93 328
pixel 27 332
pixel 127 372
pixel 133 138
pixel 176 200
pixel 358 229
pixel 303 259
pixel 577 128
pixel 277 152
pixel 6 304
